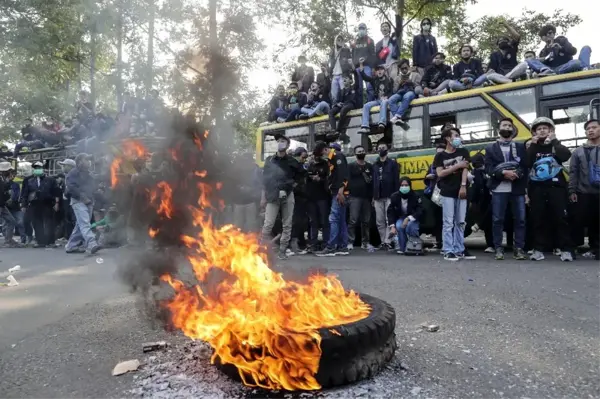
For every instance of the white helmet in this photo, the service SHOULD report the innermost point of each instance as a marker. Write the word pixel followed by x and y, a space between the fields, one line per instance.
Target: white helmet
pixel 542 120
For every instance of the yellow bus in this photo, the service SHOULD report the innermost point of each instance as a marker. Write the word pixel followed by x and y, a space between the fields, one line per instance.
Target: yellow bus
pixel 565 98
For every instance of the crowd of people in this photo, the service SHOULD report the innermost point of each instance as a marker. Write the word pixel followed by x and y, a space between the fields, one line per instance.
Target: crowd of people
pixel 393 82
pixel 320 195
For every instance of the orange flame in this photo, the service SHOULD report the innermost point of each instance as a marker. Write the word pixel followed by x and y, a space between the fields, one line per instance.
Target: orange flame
pixel 131 149
pixel 255 319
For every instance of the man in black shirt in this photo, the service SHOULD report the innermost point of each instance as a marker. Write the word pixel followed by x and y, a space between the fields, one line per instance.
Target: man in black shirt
pixel 360 188
pixel 503 60
pixel 468 71
pixel 317 193
pixel 279 178
pixel 451 166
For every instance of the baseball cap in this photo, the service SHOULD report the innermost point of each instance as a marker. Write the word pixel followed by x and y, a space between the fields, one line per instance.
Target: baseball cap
pixel 68 162
pixel 37 164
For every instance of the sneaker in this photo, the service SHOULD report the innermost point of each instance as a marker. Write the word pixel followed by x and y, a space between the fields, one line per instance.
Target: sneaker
pixel 364 245
pixel 342 252
pixel 546 72
pixel 450 257
pixel 394 119
pixel 95 249
pixel 566 256
pixel 302 117
pixel 556 252
pixel 530 252
pixel 403 124
pixel 76 250
pixel 384 247
pixel 289 252
pixel 399 252
pixel 489 250
pixel 537 255
pixel 519 254
pixel 350 247
pixel 381 126
pixel 499 254
pixel 364 130
pixel 280 120
pixel 326 252
pixel 467 255
pixel 588 254
pixel 282 256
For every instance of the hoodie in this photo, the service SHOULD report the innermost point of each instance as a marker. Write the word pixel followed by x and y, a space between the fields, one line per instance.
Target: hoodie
pixel 579 169
pixel 555 149
pixel 304 75
pixel 423 50
pixel 559 56
pixel 436 74
pixel 338 60
pixel 471 69
pixel 364 47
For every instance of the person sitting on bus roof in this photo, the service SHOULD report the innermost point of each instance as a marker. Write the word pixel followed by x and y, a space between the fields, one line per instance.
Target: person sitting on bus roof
pixel 503 60
pixel 339 66
pixel 382 85
pixel 303 75
pixel 386 49
pixel 424 47
pixel 407 85
pixel 317 102
pixel 277 102
pixel 347 102
pixel 32 138
pixel 556 57
pixel 363 53
pixel 437 77
pixel 324 79
pixel 467 71
pixel 293 104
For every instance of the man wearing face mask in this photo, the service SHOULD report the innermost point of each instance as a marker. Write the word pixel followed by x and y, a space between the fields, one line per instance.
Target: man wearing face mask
pixel 280 175
pixel 5 214
pixel 382 85
pixel 467 71
pixel 300 218
pixel 437 77
pixel 548 190
pixel 503 60
pixel 317 190
pixel 506 164
pixel 387 48
pixel 40 198
pixel 347 102
pixel 278 102
pixel 339 67
pixel 303 75
pixel 386 181
pixel 451 166
pixel 81 187
pixel 404 213
pixel 360 189
pixel 424 47
pixel 406 88
pixel 13 204
pixel 317 103
pixel 363 53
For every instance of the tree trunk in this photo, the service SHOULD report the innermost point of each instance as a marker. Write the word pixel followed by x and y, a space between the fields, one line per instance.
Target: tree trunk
pixel 399 24
pixel 93 64
pixel 79 59
pixel 119 80
pixel 216 111
pixel 150 62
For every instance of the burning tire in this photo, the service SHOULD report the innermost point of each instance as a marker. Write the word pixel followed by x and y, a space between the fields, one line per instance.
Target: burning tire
pixel 351 352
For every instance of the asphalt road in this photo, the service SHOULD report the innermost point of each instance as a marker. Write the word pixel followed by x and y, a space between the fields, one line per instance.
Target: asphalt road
pixel 507 329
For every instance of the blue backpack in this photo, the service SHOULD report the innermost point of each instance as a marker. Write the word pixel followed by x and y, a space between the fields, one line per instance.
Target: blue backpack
pixel 593 168
pixel 545 169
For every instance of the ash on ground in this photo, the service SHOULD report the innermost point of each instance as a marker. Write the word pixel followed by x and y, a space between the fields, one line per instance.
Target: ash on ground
pixel 185 371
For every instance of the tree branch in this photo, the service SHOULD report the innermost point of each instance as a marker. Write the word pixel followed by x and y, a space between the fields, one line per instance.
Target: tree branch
pixel 425 3
pixel 382 12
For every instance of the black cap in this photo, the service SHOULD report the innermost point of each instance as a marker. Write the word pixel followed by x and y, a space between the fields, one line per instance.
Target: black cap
pixel 282 136
pixel 382 66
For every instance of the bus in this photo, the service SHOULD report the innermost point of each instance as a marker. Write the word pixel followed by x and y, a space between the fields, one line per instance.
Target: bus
pixel 568 99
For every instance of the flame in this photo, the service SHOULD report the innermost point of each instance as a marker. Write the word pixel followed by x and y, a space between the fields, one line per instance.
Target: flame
pixel 253 318
pixel 131 149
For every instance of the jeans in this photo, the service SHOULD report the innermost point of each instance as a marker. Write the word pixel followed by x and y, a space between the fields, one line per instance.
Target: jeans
pixel 32 145
pixel 572 66
pixel 321 108
pixel 457 85
pixel 360 210
pixel 338 229
pixel 370 91
pixel 366 112
pixel 9 224
pixel 381 208
pixel 454 211
pixel 318 216
pixel 82 233
pixel 18 215
pixel 344 119
pixel 400 102
pixel 288 116
pixel 411 230
pixel 337 85
pixel 286 206
pixel 499 203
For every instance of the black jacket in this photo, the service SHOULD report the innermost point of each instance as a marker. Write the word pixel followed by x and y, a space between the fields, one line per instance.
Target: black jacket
pixel 364 47
pixel 4 192
pixel 436 74
pixel 387 181
pixel 472 69
pixel 495 157
pixel 343 55
pixel 305 74
pixel 338 171
pixel 275 103
pixel 414 207
pixel 317 190
pixel 360 184
pixel 47 191
pixel 559 56
pixel 555 149
pixel 324 83
pixel 383 83
pixel 279 174
pixel 424 48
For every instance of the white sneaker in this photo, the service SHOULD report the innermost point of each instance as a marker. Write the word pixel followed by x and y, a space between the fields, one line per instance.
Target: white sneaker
pixel 537 255
pixel 566 257
pixel 400 252
pixel 289 252
pixel 556 252
pixel 394 119
pixel 530 252
pixel 489 250
pixel 350 247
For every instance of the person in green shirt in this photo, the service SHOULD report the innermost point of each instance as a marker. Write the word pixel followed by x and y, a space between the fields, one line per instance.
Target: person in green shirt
pixel 111 229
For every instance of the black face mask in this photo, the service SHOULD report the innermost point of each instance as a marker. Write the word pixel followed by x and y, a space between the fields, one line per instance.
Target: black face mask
pixel 383 153
pixel 504 45
pixel 505 133
pixel 360 156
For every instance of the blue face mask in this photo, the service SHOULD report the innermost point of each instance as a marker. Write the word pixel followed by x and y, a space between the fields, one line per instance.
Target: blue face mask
pixel 404 189
pixel 456 142
pixel 362 33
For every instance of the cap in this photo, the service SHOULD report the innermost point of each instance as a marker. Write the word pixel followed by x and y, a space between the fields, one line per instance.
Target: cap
pixel 5 166
pixel 362 25
pixel 281 136
pixel 298 151
pixel 542 120
pixel 68 162
pixel 37 164
pixel 382 66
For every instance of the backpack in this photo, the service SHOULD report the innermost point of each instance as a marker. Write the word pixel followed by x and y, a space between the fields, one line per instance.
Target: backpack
pixel 594 169
pixel 545 169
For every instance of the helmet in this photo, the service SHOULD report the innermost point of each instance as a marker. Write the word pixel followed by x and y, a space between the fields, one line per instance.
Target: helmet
pixel 542 120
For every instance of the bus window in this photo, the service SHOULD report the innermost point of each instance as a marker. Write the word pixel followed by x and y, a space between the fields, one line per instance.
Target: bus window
pixel 413 137
pixel 521 102
pixel 355 137
pixel 477 124
pixel 571 86
pixel 299 137
pixel 569 124
pixel 269 146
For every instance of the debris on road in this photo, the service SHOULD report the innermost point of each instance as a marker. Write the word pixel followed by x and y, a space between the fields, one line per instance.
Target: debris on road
pixel 416 390
pixel 154 346
pixel 432 328
pixel 99 261
pixel 12 281
pixel 125 367
pixel 14 269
